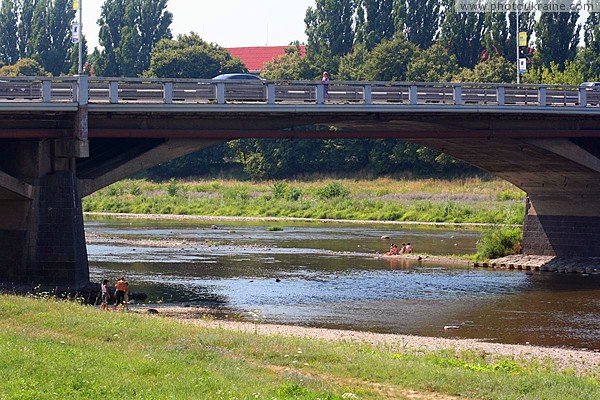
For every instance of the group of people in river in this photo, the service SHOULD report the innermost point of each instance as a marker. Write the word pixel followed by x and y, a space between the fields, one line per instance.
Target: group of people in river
pixel 405 248
pixel 121 294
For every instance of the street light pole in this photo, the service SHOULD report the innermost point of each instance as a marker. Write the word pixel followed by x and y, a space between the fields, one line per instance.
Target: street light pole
pixel 80 45
pixel 517 42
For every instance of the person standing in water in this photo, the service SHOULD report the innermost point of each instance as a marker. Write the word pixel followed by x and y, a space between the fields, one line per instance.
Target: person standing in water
pixel 120 292
pixel 105 295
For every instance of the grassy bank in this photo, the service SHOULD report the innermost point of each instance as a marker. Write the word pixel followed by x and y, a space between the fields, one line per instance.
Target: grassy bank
pixel 470 200
pixel 58 350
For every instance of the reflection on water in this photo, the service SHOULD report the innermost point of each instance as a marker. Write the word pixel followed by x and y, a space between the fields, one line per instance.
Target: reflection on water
pixel 328 275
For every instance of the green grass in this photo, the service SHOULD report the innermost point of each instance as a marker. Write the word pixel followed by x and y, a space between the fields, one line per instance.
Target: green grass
pixel 60 350
pixel 458 201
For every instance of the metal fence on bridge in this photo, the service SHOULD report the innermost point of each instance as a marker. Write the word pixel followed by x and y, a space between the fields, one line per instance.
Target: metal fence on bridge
pixel 93 90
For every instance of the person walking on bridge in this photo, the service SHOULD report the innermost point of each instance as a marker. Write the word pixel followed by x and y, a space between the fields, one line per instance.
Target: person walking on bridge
pixel 325 81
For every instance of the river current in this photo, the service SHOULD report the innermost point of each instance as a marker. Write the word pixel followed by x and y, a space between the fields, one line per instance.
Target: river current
pixel 329 275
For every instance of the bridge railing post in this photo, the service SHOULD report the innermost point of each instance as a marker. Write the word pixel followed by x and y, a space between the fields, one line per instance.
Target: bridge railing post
pixel 271 93
pixel 113 92
pixel 457 92
pixel 582 97
pixel 220 93
pixel 83 95
pixel 320 93
pixel 501 95
pixel 368 94
pixel 168 92
pixel 542 101
pixel 46 90
pixel 412 94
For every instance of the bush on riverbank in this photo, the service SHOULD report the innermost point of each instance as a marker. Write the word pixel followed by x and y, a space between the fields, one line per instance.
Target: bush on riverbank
pixel 63 350
pixel 496 242
pixel 464 201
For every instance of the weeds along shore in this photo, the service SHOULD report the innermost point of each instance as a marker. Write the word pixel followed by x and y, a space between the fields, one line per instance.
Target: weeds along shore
pixel 471 200
pixel 58 349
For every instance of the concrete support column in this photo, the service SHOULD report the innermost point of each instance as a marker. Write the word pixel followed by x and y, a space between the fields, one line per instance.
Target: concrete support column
pixel 563 226
pixel 41 220
pixel 59 254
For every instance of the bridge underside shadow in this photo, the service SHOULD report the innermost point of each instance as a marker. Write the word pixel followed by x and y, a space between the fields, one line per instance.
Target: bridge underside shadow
pixel 47 166
pixel 561 178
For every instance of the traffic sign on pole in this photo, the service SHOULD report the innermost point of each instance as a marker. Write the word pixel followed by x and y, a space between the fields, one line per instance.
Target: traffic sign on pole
pixel 522 65
pixel 75 32
pixel 522 39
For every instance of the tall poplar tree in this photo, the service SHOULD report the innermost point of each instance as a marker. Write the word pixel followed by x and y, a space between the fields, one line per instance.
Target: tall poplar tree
pixel 418 19
pixel 496 37
pixel 50 43
pixel 557 37
pixel 25 26
pixel 379 21
pixel 9 52
pixel 129 31
pixel 329 27
pixel 462 34
pixel 589 58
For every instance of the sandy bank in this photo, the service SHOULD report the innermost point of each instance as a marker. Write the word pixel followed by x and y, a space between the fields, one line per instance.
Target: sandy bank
pixel 582 361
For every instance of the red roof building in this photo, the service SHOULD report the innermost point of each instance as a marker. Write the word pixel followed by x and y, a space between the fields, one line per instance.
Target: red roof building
pixel 255 58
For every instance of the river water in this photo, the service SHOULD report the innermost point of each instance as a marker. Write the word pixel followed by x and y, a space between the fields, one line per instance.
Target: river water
pixel 328 275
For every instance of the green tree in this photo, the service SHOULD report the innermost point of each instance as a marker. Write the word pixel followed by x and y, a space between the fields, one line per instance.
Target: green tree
pixel 496 37
pixel 433 65
pixel 129 31
pixel 462 34
pixel 557 37
pixel 329 27
pixel 418 19
pixel 9 50
pixel 379 22
pixel 23 67
pixel 291 66
pixel 191 57
pixel 389 61
pixel 494 70
pixel 352 66
pixel 74 57
pixel 50 42
pixel 571 74
pixel 25 26
pixel 589 58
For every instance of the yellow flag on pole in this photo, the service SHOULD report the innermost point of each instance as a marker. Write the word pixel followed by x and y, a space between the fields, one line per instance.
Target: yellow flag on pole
pixel 75 5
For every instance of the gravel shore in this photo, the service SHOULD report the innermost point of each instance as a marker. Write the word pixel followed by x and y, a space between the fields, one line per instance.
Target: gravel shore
pixel 581 361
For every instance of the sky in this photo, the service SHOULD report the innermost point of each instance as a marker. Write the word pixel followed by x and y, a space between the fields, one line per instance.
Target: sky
pixel 229 23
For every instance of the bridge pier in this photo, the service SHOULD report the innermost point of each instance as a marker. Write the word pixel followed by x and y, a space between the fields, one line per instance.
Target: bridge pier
pixel 562 226
pixel 41 227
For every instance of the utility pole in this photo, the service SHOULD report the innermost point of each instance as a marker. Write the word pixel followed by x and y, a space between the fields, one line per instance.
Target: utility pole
pixel 80 45
pixel 517 43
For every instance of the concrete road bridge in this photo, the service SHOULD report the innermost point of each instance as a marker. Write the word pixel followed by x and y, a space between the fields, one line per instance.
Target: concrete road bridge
pixel 64 138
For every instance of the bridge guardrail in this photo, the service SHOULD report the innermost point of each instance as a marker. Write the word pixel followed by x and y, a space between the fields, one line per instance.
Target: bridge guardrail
pixel 98 90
